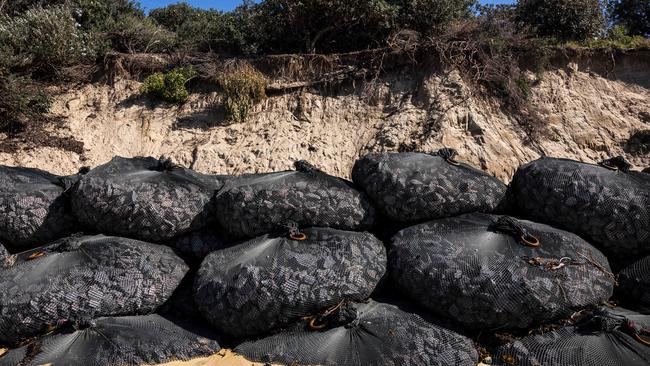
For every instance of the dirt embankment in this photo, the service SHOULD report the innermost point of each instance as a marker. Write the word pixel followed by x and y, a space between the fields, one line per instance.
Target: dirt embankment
pixel 591 107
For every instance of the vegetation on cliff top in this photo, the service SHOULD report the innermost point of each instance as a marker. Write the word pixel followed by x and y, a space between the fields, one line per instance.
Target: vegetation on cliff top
pixel 63 40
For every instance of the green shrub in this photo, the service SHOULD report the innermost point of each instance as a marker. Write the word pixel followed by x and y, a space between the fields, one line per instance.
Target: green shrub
pixel 173 16
pixel 21 101
pixel 243 88
pixel 134 34
pixel 431 16
pixel 45 39
pixel 617 37
pixel 633 15
pixel 563 19
pixel 169 86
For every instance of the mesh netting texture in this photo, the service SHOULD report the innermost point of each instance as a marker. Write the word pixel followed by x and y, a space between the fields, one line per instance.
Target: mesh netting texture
pixel 33 207
pixel 83 278
pixel 5 256
pixel 476 270
pixel 144 198
pixel 369 334
pixel 634 285
pixel 268 282
pixel 122 341
pixel 610 207
pixel 411 187
pixel 196 245
pixel 256 204
pixel 606 337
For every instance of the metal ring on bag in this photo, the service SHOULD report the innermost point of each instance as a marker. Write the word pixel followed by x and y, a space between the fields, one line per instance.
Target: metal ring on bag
pixel 298 237
pixel 526 240
pixel 313 326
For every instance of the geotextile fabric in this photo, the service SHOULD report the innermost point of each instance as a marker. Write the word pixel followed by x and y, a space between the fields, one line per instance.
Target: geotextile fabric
pixel 476 270
pixel 253 205
pixel 409 187
pixel 607 204
pixel 268 282
pixel 83 278
pixel 145 198
pixel 634 285
pixel 605 337
pixel 364 334
pixel 123 341
pixel 34 208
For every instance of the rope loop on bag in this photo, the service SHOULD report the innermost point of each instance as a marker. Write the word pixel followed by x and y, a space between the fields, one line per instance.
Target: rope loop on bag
pixel 339 314
pixel 512 226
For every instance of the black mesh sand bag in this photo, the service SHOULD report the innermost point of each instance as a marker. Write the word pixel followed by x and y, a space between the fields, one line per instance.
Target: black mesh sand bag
pixel 410 187
pixel 123 341
pixel 33 207
pixel 144 198
pixel 82 278
pixel 605 337
pixel 269 281
pixel 486 272
pixel 607 204
pixel 363 334
pixel 196 245
pixel 634 285
pixel 253 205
pixel 5 257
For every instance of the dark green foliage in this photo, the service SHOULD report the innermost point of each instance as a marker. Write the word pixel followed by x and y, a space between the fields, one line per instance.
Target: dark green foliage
pixel 169 86
pixel 175 15
pixel 634 15
pixel 133 34
pixel 563 19
pixel 431 16
pixel 20 101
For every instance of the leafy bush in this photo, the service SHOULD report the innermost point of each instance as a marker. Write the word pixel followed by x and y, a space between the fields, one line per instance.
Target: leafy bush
pixel 173 16
pixel 323 25
pixel 563 19
pixel 243 87
pixel 21 101
pixel 634 15
pixel 617 37
pixel 169 86
pixel 45 39
pixel 133 34
pixel 431 16
pixel 99 15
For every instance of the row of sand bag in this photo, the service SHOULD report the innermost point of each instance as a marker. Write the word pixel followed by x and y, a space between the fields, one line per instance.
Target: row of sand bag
pixel 607 203
pixel 156 200
pixel 81 278
pixel 365 333
pixel 300 298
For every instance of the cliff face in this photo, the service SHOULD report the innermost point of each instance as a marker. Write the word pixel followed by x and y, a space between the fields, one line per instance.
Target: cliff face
pixel 591 110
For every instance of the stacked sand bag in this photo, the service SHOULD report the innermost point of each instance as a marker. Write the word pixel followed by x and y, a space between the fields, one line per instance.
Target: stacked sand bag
pixel 607 204
pixel 282 268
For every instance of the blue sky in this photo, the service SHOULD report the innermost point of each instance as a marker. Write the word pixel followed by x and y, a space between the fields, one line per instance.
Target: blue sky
pixel 231 4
